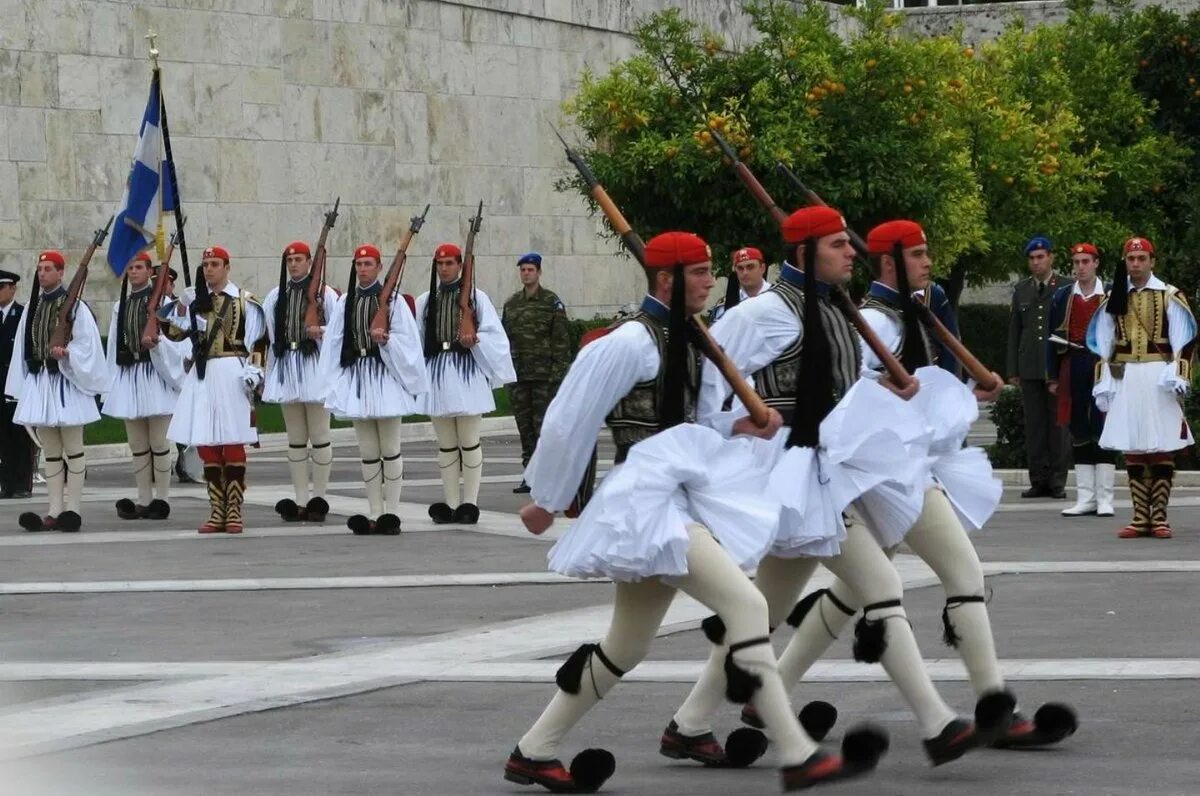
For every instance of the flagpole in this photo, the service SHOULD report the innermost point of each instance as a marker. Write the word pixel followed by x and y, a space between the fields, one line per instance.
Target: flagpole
pixel 166 139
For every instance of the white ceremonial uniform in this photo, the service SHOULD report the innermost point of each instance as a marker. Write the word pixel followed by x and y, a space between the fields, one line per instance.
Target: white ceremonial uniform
pixel 216 410
pixel 468 391
pixel 144 389
pixel 66 398
pixel 1144 411
pixel 294 378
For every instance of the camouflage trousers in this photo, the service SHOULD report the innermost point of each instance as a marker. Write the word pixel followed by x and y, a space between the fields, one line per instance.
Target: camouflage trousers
pixel 529 400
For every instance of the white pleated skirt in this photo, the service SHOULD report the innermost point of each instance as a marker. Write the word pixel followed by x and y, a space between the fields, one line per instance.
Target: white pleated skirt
pixel 50 399
pixel 215 411
pixel 1142 416
pixel 139 391
pixel 456 388
pixel 293 378
pixel 367 390
pixel 635 526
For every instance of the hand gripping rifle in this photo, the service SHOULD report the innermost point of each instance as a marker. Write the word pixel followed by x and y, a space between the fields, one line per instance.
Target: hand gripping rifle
pixel 314 310
pixel 66 317
pixel 896 371
pixel 759 413
pixel 392 284
pixel 466 317
pixel 150 330
pixel 976 369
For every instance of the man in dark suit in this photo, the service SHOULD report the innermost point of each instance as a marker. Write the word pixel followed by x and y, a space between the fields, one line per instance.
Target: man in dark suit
pixel 1046 443
pixel 16 448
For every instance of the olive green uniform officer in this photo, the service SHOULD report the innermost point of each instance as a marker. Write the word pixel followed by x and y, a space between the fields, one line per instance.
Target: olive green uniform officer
pixel 538 333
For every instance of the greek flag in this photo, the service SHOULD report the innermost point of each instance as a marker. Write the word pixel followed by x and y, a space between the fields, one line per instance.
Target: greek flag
pixel 148 191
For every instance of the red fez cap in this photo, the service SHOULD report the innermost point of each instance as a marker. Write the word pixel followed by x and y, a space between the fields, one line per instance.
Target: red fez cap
pixel 297 247
pixel 367 250
pixel 143 257
pixel 1138 245
pixel 215 252
pixel 812 222
pixel 447 250
pixel 883 238
pixel 746 254
pixel 676 248
pixel 54 257
pixel 1085 248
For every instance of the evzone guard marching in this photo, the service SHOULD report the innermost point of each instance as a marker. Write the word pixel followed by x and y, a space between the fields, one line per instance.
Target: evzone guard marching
pixel 467 357
pixel 58 369
pixel 147 371
pixel 682 510
pixel 373 365
pixel 293 379
pixel 961 491
pixel 225 324
pixel 1145 335
pixel 803 353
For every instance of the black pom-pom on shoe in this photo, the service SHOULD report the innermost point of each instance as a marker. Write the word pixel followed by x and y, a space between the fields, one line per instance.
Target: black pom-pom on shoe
pixel 817 718
pixel 30 521
pixel 157 509
pixel 744 747
pixel 128 510
pixel 388 525
pixel 863 747
pixel 360 525
pixel 591 768
pixel 466 514
pixel 69 522
pixel 994 715
pixel 288 509
pixel 441 514
pixel 316 509
pixel 1052 723
pixel 714 629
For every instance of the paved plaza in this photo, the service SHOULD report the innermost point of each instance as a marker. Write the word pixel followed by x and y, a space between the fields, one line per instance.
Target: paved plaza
pixel 142 659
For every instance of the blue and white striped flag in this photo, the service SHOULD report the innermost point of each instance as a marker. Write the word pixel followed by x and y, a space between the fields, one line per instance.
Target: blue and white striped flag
pixel 148 191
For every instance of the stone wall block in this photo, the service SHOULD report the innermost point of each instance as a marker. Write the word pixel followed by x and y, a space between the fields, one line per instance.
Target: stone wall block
pixel 337 108
pixel 237 170
pixel 33 180
pixel 37 76
pixel 273 183
pixel 78 82
pixel 10 81
pixel 452 22
pixel 301 108
pixel 539 197
pixel 410 126
pixel 497 71
pixel 249 230
pixel 197 165
pixel 124 88
pixel 307 52
pixel 219 94
pixel 292 9
pixel 261 122
pixel 507 236
pixel 10 192
pixel 179 93
pixel 263 84
pixel 377 182
pixel 14 33
pixel 27 134
pixel 101 166
pixel 418 183
pixel 373 114
pixel 109 31
pixel 42 224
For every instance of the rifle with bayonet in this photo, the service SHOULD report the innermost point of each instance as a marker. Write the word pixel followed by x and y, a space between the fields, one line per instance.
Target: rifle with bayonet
pixel 466 316
pixel 314 310
pixel 391 285
pixel 161 278
pixel 66 317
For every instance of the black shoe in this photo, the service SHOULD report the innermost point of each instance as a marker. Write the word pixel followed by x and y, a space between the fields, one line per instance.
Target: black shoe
pixel 21 494
pixel 522 489
pixel 360 524
pixel 128 510
pixel 703 748
pixel 466 514
pixel 1036 491
pixel 1058 493
pixel 1051 723
pixel 69 522
pixel 861 750
pixel 956 740
pixel 289 510
pixel 157 509
pixel 441 514
pixel 590 769
pixel 317 508
pixel 387 525
pixel 5 494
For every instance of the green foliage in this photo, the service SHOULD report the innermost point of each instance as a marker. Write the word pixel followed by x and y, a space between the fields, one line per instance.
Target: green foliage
pixel 984 331
pixel 1008 413
pixel 1041 131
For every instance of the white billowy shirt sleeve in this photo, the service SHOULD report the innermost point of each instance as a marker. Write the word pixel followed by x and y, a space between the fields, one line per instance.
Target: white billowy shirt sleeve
pixel 256 323
pixel 1101 333
pixel 168 357
pixel 329 363
pixel 17 370
pixel 603 373
pixel 110 356
pixel 753 335
pixel 888 331
pixel 492 352
pixel 1181 326
pixel 403 354
pixel 268 307
pixel 85 365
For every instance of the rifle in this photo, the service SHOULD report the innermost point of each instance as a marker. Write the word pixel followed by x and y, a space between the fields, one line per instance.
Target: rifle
pixel 759 413
pixel 896 372
pixel 466 318
pixel 66 317
pixel 976 369
pixel 150 330
pixel 314 311
pixel 392 284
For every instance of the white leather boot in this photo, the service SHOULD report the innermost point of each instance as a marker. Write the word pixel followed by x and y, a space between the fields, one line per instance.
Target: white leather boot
pixel 1085 491
pixel 1104 489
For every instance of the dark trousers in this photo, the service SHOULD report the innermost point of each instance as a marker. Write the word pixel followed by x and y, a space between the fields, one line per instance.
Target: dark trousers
pixel 529 400
pixel 16 452
pixel 1046 443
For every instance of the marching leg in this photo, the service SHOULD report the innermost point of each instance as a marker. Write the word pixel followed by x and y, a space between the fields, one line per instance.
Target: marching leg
pixel 472 469
pixel 160 457
pixel 322 460
pixel 449 461
pixel 56 473
pixel 393 474
pixel 295 422
pixel 76 469
pixel 367 433
pixel 137 432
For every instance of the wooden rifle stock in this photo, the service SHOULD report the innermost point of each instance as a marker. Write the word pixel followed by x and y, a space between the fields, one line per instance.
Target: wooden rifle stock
pixel 976 369
pixel 66 318
pixel 314 310
pixel 466 315
pixel 150 330
pixel 759 413
pixel 381 322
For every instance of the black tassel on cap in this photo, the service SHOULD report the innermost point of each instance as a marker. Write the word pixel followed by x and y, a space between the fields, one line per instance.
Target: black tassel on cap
pixel 814 382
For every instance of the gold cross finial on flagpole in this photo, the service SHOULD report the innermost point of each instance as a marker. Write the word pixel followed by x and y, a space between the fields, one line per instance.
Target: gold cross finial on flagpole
pixel 152 36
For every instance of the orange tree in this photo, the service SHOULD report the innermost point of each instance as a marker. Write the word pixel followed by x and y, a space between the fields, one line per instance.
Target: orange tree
pixel 986 148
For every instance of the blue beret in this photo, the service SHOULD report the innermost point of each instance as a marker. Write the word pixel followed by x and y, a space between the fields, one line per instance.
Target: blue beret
pixel 531 257
pixel 1038 242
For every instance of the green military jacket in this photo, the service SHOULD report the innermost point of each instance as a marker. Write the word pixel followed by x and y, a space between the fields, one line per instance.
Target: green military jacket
pixel 1028 325
pixel 538 334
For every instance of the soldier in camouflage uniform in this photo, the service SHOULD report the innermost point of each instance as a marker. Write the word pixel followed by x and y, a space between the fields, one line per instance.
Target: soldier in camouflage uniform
pixel 536 323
